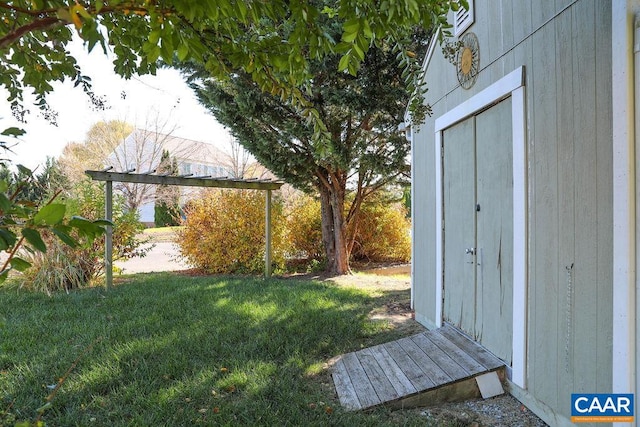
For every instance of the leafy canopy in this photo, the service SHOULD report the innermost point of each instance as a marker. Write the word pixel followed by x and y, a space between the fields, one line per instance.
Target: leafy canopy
pixel 272 41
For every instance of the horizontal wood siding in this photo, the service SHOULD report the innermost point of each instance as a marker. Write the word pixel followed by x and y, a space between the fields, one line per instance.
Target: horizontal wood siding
pixel 565 46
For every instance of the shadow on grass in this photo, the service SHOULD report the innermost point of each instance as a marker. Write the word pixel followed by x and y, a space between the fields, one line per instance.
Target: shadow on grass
pixel 176 350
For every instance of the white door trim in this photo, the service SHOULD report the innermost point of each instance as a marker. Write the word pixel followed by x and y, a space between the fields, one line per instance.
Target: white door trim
pixel 510 85
pixel 625 278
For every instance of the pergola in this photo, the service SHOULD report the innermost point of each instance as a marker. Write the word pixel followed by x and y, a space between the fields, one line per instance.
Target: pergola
pixel 188 180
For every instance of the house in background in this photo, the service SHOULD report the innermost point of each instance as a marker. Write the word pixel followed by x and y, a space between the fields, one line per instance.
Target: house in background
pixel 142 150
pixel 525 210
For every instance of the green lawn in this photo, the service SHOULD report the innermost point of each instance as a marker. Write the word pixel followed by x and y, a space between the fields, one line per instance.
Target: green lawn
pixel 166 349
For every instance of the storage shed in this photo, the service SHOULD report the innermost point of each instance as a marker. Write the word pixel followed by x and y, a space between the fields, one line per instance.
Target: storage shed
pixel 525 203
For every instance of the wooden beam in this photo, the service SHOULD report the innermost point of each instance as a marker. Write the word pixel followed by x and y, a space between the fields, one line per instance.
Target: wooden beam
pixel 108 241
pixel 182 181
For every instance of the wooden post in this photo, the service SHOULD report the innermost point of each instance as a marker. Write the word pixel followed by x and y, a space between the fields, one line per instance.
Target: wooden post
pixel 267 227
pixel 108 241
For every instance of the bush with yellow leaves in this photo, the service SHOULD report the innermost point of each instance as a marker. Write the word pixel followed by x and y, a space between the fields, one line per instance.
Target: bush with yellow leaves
pixel 304 226
pixel 224 232
pixel 383 232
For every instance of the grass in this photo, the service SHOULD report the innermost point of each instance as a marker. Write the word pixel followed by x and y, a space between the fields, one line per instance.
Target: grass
pixel 161 234
pixel 166 349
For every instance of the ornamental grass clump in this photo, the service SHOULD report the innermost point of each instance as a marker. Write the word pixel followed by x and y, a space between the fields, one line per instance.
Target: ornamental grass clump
pixel 224 232
pixel 65 267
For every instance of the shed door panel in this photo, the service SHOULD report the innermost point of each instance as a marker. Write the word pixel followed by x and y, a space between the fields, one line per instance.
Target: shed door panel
pixel 459 210
pixel 478 228
pixel 494 189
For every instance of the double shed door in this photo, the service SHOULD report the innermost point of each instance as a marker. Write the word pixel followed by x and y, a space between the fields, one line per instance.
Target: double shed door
pixel 478 228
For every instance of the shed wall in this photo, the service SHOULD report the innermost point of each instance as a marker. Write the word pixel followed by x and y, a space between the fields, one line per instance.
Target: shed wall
pixel 565 47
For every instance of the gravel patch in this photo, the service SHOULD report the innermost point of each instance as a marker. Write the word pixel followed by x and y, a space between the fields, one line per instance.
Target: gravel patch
pixel 499 411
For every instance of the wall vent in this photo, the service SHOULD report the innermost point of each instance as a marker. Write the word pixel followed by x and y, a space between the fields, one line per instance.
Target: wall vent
pixel 462 19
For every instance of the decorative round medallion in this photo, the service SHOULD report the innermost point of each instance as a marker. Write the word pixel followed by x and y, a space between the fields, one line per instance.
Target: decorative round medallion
pixel 468 60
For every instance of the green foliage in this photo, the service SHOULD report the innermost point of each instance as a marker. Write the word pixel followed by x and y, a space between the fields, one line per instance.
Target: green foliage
pixel 165 215
pixel 26 222
pixel 362 114
pixel 167 204
pixel 35 186
pixel 224 232
pixel 382 233
pixel 272 41
pixel 407 200
pixel 89 201
pixel 78 262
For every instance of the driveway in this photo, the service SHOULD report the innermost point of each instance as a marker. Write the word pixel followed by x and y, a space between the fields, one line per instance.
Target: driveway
pixel 164 256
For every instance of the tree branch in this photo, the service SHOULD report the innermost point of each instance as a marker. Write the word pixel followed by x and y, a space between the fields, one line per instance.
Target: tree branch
pixel 38 24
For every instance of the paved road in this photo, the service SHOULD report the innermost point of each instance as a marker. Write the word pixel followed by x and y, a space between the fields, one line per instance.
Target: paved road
pixel 163 257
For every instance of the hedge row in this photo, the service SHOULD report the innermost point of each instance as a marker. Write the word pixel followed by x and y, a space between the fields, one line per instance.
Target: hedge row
pixel 224 232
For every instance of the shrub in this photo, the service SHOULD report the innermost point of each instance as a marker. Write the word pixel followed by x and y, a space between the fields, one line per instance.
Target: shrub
pixel 382 234
pixel 305 229
pixel 64 267
pixel 165 215
pixel 224 232
pixel 167 204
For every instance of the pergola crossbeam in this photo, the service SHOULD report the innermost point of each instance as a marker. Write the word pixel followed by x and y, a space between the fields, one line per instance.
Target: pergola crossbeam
pixel 184 180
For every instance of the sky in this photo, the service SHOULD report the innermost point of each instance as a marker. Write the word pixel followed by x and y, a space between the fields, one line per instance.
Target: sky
pixel 165 97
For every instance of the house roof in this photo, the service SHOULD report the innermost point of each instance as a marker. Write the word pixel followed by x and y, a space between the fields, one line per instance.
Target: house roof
pixel 182 149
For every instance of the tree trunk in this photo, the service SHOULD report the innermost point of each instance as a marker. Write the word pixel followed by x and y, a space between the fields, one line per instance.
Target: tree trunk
pixel 328 238
pixel 334 230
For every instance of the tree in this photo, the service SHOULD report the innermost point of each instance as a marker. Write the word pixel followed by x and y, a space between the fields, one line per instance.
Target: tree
pixel 142 151
pixel 38 186
pixel 119 145
pixel 100 141
pixel 272 41
pixel 167 207
pixel 238 159
pixel 364 153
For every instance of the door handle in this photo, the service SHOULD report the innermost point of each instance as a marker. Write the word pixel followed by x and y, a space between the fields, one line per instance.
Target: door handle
pixel 470 251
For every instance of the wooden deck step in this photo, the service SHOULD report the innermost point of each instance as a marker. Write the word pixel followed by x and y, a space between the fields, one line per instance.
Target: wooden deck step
pixel 427 368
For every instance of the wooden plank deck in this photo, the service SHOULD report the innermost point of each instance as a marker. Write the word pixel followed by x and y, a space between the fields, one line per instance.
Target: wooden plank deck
pixel 401 371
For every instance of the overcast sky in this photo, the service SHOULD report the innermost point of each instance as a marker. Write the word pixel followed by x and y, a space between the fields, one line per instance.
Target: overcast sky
pixel 165 96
